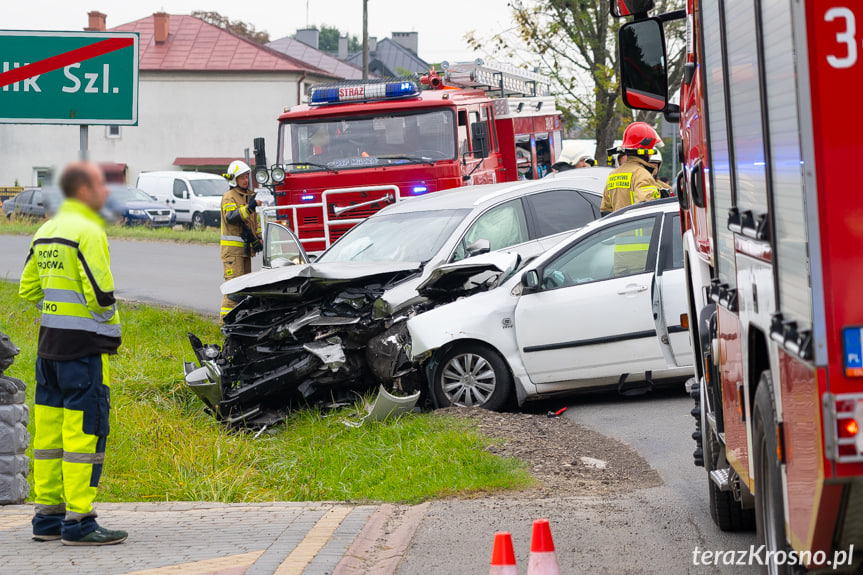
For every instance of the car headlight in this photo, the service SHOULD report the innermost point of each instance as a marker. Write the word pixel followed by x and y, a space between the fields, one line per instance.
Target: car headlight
pixel 137 213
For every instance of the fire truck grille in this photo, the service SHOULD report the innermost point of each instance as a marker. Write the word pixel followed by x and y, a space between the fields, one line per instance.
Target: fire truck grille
pixel 311 220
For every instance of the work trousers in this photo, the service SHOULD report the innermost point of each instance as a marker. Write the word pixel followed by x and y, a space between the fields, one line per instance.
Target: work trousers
pixel 235 266
pixel 71 430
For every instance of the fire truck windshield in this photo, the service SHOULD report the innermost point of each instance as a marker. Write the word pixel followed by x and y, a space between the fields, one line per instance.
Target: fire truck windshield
pixel 368 141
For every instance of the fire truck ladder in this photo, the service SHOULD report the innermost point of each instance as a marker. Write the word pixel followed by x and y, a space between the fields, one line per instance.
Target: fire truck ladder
pixel 510 80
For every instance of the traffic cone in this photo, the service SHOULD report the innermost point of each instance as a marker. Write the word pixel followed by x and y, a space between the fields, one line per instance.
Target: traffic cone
pixel 543 560
pixel 503 556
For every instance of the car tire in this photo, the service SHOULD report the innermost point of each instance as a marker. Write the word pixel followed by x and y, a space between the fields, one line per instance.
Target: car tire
pixel 472 375
pixel 198 221
pixel 769 506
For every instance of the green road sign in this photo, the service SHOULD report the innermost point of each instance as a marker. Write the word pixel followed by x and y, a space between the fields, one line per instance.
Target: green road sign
pixel 68 77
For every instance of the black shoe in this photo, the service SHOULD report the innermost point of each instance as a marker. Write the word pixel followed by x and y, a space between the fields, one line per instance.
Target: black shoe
pixel 100 536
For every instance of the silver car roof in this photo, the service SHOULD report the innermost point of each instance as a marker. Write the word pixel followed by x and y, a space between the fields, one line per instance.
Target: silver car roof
pixel 592 180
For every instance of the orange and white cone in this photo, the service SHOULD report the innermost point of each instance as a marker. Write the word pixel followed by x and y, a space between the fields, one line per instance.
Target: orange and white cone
pixel 543 560
pixel 503 556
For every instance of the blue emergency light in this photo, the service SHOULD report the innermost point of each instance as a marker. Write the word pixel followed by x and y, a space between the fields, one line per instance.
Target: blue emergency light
pixel 348 92
pixel 420 190
pixel 307 198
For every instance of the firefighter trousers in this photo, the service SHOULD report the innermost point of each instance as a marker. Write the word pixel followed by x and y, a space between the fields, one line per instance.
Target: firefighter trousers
pixel 71 430
pixel 235 266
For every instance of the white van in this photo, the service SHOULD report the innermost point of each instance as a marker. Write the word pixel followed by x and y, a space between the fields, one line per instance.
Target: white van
pixel 195 196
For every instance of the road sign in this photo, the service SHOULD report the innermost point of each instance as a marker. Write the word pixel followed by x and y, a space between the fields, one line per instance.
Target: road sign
pixel 68 77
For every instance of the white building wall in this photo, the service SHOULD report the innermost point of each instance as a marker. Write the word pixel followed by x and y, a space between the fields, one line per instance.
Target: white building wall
pixel 179 115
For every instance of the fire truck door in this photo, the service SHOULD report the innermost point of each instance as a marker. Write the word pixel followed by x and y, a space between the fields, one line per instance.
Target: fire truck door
pixel 668 295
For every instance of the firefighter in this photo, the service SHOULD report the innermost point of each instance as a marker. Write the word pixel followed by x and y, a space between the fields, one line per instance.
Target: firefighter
pixel 633 182
pixel 67 274
pixel 241 230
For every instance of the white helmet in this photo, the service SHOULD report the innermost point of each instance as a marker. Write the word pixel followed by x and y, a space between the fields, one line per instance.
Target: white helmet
pixel 656 157
pixel 236 169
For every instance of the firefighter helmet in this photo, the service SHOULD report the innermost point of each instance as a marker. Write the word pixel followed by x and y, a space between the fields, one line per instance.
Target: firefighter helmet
pixel 656 158
pixel 236 169
pixel 640 136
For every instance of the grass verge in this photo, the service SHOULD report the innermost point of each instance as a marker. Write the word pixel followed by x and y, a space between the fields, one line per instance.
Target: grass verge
pixel 163 447
pixel 28 226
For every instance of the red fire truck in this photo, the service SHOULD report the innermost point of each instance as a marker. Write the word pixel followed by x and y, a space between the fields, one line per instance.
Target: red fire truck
pixel 356 147
pixel 771 223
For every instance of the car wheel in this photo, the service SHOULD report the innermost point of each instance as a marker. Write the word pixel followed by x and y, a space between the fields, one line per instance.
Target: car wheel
pixel 472 375
pixel 198 221
pixel 769 507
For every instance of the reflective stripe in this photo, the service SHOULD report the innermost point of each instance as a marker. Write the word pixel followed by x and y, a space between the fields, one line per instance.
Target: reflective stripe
pixel 94 458
pixel 106 316
pixel 75 310
pixel 234 241
pixel 225 310
pixel 64 295
pixel 232 238
pixel 229 207
pixel 244 211
pixel 82 323
pixel 631 248
pixel 48 453
pixel 57 509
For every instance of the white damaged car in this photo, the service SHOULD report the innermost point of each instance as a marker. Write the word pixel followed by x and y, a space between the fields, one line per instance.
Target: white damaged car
pixel 604 309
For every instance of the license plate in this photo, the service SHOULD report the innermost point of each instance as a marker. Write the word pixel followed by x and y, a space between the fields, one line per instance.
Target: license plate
pixel 161 218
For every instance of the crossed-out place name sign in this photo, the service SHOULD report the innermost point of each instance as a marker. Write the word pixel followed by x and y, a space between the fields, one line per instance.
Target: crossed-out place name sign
pixel 68 77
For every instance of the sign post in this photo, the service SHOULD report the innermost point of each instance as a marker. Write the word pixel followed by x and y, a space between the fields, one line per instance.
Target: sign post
pixel 78 78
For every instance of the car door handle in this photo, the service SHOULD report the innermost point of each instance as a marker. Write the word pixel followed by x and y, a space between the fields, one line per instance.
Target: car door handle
pixel 632 288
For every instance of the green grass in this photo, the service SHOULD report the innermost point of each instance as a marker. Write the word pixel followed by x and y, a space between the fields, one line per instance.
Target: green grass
pixel 164 447
pixel 28 226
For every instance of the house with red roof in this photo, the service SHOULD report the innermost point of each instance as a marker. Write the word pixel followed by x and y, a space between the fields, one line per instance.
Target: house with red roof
pixel 204 94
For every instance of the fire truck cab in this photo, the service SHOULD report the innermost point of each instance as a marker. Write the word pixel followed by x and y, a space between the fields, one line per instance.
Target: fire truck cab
pixel 772 229
pixel 356 147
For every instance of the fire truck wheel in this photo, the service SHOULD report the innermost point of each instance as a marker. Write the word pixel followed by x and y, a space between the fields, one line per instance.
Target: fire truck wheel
pixel 769 511
pixel 472 375
pixel 727 513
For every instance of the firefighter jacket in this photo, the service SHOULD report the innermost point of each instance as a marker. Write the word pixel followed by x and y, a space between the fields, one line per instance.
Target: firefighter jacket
pixel 239 225
pixel 631 183
pixel 67 273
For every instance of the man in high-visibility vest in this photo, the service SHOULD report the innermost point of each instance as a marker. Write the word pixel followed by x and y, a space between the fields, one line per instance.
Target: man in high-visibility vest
pixel 67 273
pixel 633 182
pixel 241 230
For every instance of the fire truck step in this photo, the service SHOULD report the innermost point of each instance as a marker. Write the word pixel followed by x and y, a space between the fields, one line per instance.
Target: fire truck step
pixel 722 479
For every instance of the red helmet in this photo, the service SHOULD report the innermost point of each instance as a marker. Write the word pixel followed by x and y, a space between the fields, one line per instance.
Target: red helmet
pixel 640 136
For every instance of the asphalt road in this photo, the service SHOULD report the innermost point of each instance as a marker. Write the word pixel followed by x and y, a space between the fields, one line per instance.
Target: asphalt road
pixel 654 530
pixel 181 275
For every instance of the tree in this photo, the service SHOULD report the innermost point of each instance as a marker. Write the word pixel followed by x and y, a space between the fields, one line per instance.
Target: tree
pixel 576 42
pixel 328 39
pixel 236 26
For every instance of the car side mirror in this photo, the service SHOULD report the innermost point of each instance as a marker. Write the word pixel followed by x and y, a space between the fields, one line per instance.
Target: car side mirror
pixel 480 246
pixel 530 279
pixel 643 73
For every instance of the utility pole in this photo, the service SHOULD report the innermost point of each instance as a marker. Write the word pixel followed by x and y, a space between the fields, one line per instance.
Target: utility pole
pixel 365 40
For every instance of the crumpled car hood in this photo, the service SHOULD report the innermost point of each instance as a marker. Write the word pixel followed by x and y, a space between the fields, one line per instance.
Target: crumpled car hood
pixel 322 333
pixel 263 280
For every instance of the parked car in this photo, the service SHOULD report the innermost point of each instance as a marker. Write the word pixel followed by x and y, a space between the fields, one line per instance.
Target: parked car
pixel 34 203
pixel 131 206
pixel 195 196
pixel 321 331
pixel 601 310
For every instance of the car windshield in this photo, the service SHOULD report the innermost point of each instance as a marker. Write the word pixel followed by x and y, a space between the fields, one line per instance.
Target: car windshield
pixel 130 195
pixel 368 141
pixel 210 187
pixel 406 237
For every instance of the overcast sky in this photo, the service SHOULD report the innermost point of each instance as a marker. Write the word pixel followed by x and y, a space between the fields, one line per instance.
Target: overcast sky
pixel 441 24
